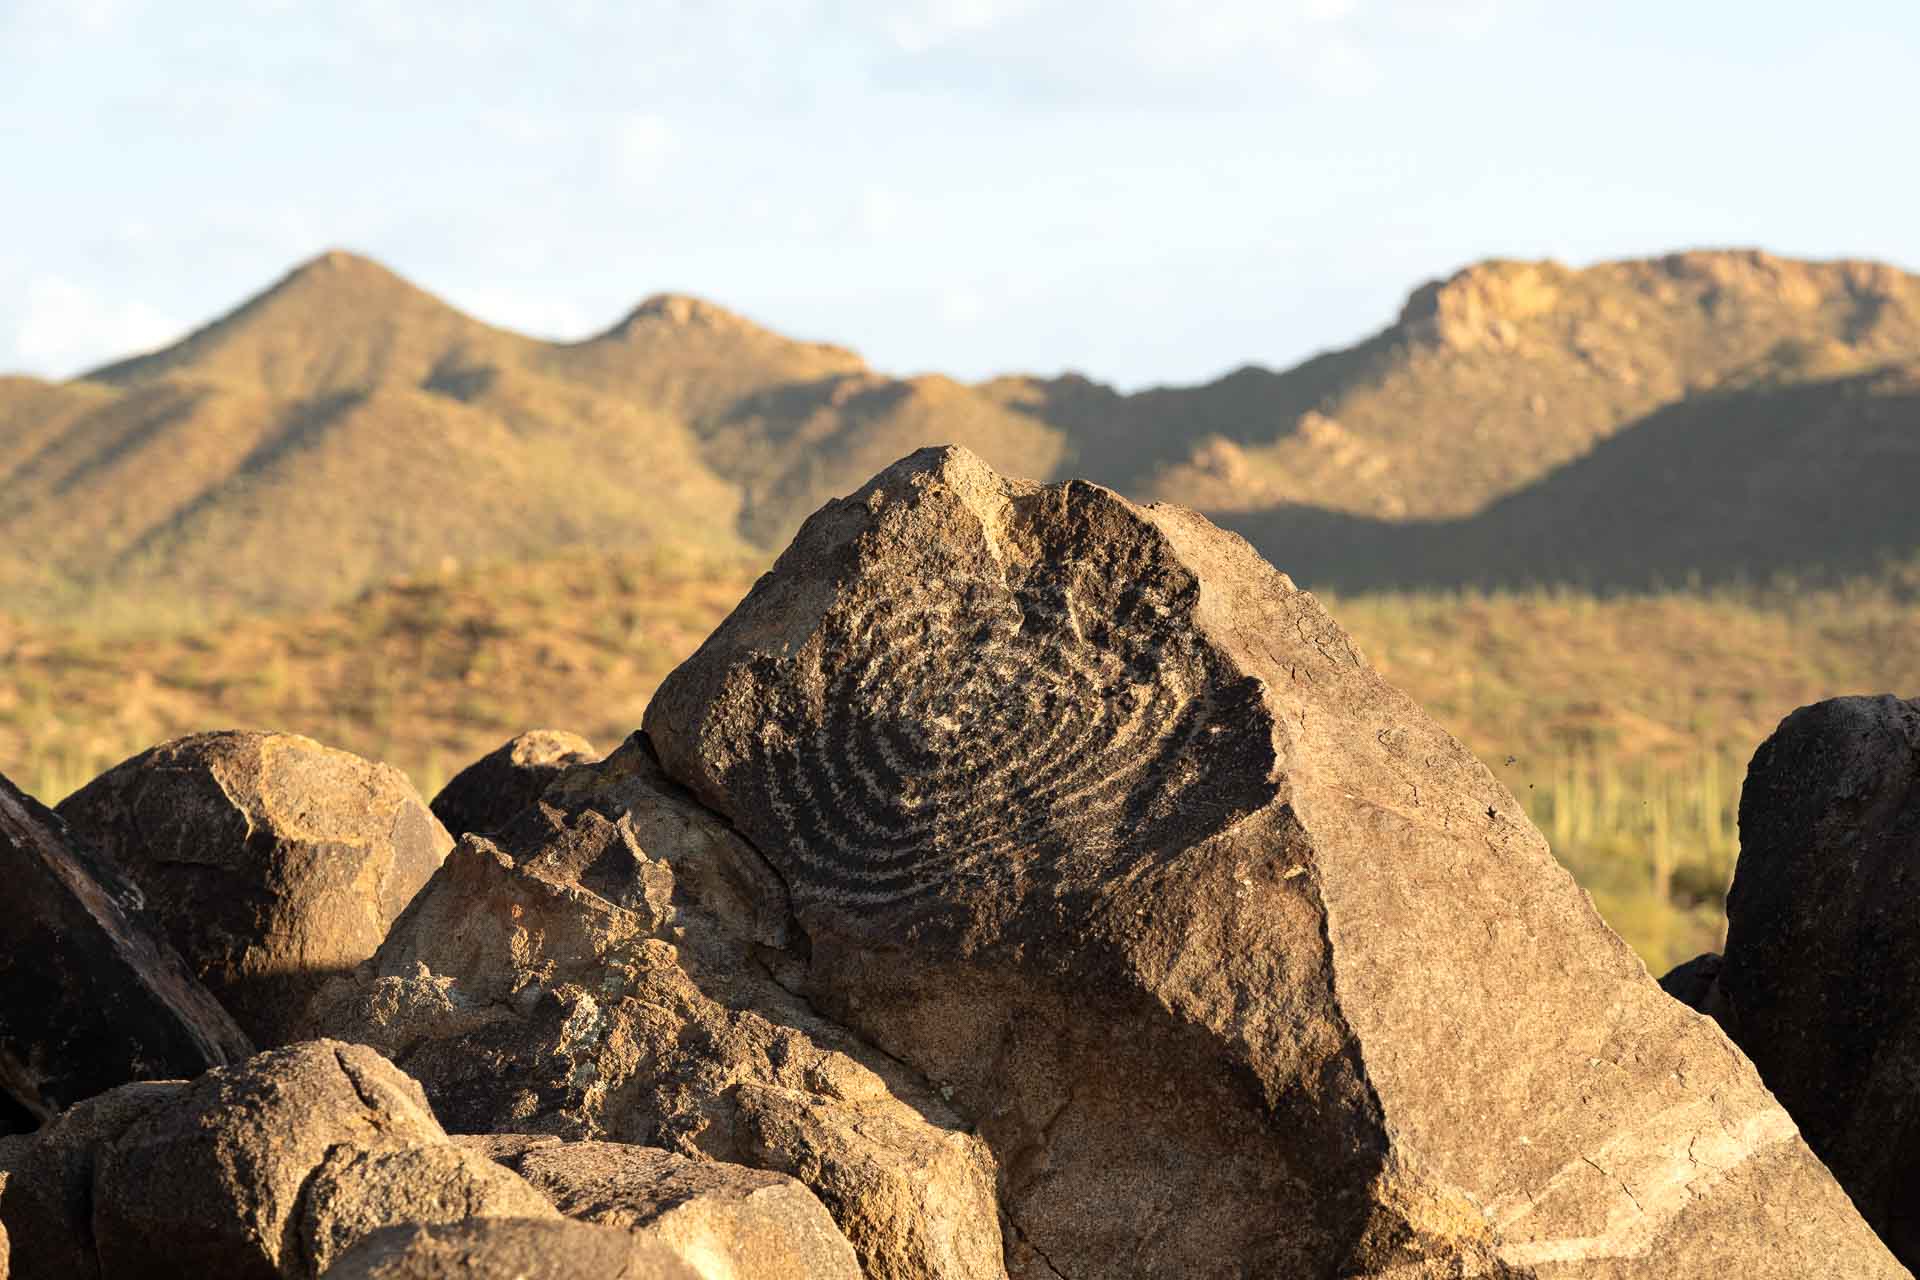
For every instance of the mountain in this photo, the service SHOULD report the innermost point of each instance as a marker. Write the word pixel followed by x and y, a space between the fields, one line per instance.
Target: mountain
pixel 344 427
pixel 1720 414
pixel 1489 380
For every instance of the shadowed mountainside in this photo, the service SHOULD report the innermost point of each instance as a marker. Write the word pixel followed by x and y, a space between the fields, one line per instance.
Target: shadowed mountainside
pixel 1725 414
pixel 1810 480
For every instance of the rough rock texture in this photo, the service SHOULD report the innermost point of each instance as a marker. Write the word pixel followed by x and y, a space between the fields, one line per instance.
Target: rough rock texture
pixel 509 1249
pixel 612 968
pixel 488 793
pixel 356 1192
pixel 89 997
pixel 270 861
pixel 212 1183
pixel 1821 981
pixel 724 1220
pixel 46 1198
pixel 1240 963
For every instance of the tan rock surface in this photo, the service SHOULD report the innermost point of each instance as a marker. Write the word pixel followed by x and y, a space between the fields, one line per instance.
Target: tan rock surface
pixel 270 861
pixel 1241 964
pixel 726 1221
pixel 356 1192
pixel 509 1249
pixel 612 969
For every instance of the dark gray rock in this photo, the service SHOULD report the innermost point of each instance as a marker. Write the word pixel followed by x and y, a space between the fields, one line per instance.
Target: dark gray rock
pixel 273 863
pixel 1821 981
pixel 1239 963
pixel 46 1195
pixel 492 791
pixel 90 997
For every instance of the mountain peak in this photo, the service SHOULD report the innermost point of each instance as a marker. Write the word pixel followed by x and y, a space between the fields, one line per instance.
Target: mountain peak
pixel 685 309
pixel 338 321
pixel 673 318
pixel 1480 305
pixel 340 273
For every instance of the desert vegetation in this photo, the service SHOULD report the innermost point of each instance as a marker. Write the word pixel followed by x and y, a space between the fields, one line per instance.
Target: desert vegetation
pixel 1622 724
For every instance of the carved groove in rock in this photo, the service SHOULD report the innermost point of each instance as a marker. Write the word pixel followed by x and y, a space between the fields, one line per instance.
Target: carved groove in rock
pixel 966 724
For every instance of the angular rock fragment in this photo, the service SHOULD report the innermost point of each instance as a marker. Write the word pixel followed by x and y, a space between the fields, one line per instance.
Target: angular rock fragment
pixel 90 998
pixel 1821 980
pixel 722 1219
pixel 487 794
pixel 273 863
pixel 510 1249
pixel 612 968
pixel 1239 962
pixel 281 1163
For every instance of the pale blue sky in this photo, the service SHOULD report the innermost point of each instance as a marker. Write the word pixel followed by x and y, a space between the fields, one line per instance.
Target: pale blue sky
pixel 1143 191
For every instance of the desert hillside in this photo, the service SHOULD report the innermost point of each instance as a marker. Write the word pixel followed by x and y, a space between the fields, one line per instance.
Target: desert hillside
pixel 1622 725
pixel 1726 415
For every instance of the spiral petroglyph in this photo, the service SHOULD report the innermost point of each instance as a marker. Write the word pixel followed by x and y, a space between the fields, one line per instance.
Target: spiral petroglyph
pixel 969 725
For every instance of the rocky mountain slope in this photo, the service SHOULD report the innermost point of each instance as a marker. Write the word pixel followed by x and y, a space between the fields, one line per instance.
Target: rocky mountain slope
pixel 1726 414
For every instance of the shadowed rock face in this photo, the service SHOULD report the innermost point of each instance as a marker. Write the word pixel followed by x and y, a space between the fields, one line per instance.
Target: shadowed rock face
pixel 277 1167
pixel 491 791
pixel 272 862
pixel 1239 963
pixel 1821 981
pixel 90 997
pixel 46 1196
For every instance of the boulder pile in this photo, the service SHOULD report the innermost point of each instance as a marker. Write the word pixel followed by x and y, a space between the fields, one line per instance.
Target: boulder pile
pixel 1020 883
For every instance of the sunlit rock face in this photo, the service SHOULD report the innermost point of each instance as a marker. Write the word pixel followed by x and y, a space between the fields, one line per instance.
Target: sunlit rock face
pixel 1237 961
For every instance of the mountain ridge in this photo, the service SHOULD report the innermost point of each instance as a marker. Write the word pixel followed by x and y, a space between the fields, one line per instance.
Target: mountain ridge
pixel 344 425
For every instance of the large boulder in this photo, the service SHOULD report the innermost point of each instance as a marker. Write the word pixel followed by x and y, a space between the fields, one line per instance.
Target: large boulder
pixel 273 863
pixel 1821 979
pixel 510 1249
pixel 611 966
pixel 724 1220
pixel 90 997
pixel 1239 963
pixel 277 1166
pixel 491 791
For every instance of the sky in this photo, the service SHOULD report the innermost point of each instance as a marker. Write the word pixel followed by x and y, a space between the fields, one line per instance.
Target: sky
pixel 1141 191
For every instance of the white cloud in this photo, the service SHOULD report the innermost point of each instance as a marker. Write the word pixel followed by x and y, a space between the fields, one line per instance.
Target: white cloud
pixel 1344 70
pixel 882 210
pixel 65 327
pixel 962 306
pixel 642 144
pixel 917 28
pixel 68 17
